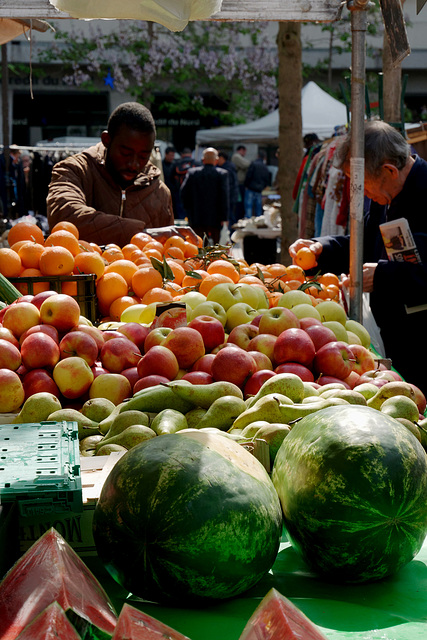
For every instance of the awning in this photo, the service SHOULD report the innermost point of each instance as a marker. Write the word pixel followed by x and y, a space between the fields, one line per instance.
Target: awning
pixel 11 28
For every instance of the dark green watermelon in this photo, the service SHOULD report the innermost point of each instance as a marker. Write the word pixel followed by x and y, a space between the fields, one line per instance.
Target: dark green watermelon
pixel 353 487
pixel 188 517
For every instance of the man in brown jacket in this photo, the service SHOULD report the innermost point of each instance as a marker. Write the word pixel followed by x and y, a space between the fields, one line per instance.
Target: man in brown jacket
pixel 112 191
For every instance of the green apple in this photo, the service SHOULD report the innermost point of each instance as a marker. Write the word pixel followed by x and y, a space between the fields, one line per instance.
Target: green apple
pixel 249 294
pixel 210 308
pixel 331 310
pixel 262 298
pixel 339 330
pixel 226 294
pixel 239 313
pixel 305 311
pixel 353 338
pixel 292 298
pixel 359 330
pixel 193 298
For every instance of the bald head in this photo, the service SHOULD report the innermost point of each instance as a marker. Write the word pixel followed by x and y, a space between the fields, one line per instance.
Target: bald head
pixel 210 156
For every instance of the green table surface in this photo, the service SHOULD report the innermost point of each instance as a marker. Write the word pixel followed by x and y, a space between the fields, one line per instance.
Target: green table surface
pixel 393 609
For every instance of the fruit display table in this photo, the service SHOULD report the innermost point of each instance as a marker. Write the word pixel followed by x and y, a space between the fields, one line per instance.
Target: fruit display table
pixel 395 609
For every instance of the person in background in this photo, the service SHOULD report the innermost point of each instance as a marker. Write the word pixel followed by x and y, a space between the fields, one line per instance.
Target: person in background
pixel 224 163
pixel 12 187
pixel 168 166
pixel 112 191
pixel 205 196
pixel 242 165
pixel 179 171
pixel 257 179
pixel 396 185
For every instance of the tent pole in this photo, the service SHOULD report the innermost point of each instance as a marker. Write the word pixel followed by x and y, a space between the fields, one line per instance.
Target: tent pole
pixel 358 10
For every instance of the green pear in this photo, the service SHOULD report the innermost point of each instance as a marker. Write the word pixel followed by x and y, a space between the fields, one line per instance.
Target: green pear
pixel 367 389
pixel 273 435
pixel 106 423
pixel 124 420
pixel 129 437
pixel 194 416
pixel 331 385
pixel 351 396
pixel 155 399
pixel 359 330
pixel 169 421
pixel 266 408
pixel 251 430
pixel 203 395
pixel 338 329
pixel 86 427
pixel 400 407
pixel 110 448
pixel 223 412
pixel 309 390
pixel 37 408
pixel 88 445
pixel 289 414
pixel 412 427
pixel 287 384
pixel 390 389
pixel 97 409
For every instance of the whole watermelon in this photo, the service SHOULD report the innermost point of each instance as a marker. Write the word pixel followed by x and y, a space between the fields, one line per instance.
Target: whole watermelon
pixel 353 487
pixel 188 517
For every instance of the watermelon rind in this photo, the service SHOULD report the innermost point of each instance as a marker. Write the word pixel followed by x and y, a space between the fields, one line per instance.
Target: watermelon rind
pixel 353 487
pixel 188 517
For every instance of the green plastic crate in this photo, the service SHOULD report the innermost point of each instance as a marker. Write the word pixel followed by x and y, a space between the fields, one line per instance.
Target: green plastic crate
pixel 40 467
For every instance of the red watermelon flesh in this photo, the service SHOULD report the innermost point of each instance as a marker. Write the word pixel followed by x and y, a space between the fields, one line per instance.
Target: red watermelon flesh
pixel 136 625
pixel 50 624
pixel 277 618
pixel 52 571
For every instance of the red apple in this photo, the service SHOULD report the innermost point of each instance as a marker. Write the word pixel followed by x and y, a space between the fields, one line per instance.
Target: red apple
pixel 6 334
pixel 131 374
pixel 420 399
pixel 48 329
pixel 334 359
pixel 255 321
pixel 111 334
pixel 242 335
pixel 39 298
pixel 149 381
pixel 378 382
pixel 173 318
pixel 60 310
pixel 10 356
pixel 135 332
pixel 295 367
pixel 308 321
pixel 380 374
pixel 278 319
pixel 156 336
pixel 39 351
pixel 20 316
pixel 73 376
pixel 38 380
pixel 233 365
pixel 79 343
pixel 113 386
pixel 119 354
pixel 264 343
pixel 211 330
pixel 94 332
pixel 322 380
pixel 364 359
pixel 294 345
pixel 198 377
pixel 261 360
pixel 320 334
pixel 159 360
pixel 12 393
pixel 97 369
pixel 353 379
pixel 256 381
pixel 187 345
pixel 27 298
pixel 204 363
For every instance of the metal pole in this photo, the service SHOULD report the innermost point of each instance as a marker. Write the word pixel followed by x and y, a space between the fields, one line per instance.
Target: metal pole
pixel 358 10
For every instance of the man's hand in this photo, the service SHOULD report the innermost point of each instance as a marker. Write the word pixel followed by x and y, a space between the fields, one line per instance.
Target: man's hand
pixel 368 277
pixel 315 247
pixel 162 233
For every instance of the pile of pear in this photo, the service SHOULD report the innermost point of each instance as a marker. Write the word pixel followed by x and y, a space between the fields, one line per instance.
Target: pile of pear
pixel 218 407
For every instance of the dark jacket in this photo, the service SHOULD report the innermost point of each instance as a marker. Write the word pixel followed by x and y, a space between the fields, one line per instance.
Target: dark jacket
pixel 258 176
pixel 83 192
pixel 396 284
pixel 204 194
pixel 232 182
pixel 12 195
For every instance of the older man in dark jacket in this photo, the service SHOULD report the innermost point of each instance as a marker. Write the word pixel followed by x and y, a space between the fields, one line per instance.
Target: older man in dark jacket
pixel 205 196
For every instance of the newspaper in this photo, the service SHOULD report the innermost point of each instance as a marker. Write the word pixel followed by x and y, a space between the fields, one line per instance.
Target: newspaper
pixel 400 246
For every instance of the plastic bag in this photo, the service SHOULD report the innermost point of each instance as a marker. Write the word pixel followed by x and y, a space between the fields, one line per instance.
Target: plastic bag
pixel 371 326
pixel 224 236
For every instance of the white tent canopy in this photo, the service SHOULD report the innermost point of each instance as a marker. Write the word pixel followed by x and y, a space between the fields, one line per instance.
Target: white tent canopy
pixel 320 114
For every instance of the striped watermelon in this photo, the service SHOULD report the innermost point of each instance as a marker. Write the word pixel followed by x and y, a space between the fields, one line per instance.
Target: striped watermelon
pixel 188 517
pixel 353 487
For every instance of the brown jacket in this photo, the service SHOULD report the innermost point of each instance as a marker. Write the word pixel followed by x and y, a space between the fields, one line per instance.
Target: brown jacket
pixel 83 192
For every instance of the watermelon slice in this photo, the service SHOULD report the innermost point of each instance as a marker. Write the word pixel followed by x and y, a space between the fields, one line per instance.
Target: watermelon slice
pixel 50 624
pixel 52 571
pixel 277 618
pixel 136 625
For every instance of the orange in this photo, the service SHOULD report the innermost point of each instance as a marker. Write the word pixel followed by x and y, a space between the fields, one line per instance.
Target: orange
pixel 333 291
pixel 89 262
pixel 30 254
pixel 15 247
pixel 126 268
pixel 119 305
pixel 172 287
pixel 95 247
pixel 140 239
pixel 146 278
pixel 273 298
pixel 225 268
pixel 153 253
pixel 154 244
pixel 136 253
pixel 177 270
pixel 305 258
pixel 25 231
pixel 111 254
pixel 174 241
pixel 128 249
pixel 174 252
pixel 190 281
pixel 109 287
pixel 143 261
pixel 85 246
pixel 64 225
pixel 69 287
pixel 211 280
pixel 156 294
pixel 63 239
pixel 190 249
pixel 293 284
pixel 277 270
pixel 294 272
pixel 56 261
pixel 112 245
pixel 248 279
pixel 38 287
pixel 10 263
pixel 329 278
